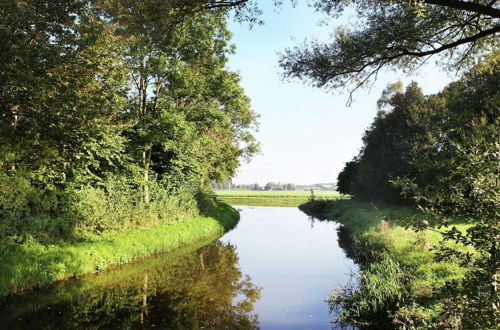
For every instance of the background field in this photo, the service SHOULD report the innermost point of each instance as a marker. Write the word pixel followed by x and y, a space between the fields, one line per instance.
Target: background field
pixel 272 198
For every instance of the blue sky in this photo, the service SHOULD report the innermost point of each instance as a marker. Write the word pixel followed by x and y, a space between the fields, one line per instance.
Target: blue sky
pixel 307 134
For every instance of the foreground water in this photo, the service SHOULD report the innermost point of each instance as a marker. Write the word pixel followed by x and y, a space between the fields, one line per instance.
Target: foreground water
pixel 273 271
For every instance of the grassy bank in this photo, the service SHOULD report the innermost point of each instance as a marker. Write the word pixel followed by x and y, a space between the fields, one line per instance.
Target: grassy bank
pixel 33 264
pixel 272 198
pixel 401 285
pixel 202 280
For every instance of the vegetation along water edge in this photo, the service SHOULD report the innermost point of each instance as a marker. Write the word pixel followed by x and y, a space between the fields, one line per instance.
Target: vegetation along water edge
pixel 401 284
pixel 36 264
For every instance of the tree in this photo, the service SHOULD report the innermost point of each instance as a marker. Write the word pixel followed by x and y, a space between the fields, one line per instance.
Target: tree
pixel 466 158
pixel 191 119
pixel 269 186
pixel 123 98
pixel 387 153
pixel 60 84
pixel 347 176
pixel 395 34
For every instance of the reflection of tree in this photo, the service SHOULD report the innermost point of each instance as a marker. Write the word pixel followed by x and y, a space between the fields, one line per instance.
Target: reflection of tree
pixel 203 289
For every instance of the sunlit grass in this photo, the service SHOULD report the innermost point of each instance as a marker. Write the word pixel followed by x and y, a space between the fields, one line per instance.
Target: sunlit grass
pixel 33 264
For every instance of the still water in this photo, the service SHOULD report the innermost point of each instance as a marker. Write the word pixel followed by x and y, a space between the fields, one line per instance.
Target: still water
pixel 273 271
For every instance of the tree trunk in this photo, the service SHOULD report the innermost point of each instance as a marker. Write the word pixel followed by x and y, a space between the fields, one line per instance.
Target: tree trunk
pixel 202 262
pixel 146 155
pixel 14 125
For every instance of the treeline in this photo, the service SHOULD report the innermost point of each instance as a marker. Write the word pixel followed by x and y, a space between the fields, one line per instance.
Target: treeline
pixel 255 187
pixel 114 114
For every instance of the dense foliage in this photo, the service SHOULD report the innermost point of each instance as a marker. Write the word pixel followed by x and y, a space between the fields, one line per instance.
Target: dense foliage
pixel 387 152
pixel 114 114
pixel 419 137
pixel 442 153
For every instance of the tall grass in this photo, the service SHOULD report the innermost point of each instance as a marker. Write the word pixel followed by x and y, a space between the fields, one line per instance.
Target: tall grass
pixel 400 283
pixel 35 264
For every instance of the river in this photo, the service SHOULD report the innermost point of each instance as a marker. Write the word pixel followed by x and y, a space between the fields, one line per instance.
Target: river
pixel 273 271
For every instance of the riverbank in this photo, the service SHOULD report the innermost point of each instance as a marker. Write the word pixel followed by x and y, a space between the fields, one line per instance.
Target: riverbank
pixel 33 264
pixel 284 198
pixel 401 284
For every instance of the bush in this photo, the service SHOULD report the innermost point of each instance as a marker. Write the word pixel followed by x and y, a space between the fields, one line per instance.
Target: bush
pixel 70 212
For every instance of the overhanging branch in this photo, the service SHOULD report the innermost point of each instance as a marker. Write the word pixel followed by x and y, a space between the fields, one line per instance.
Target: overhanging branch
pixel 459 42
pixel 467 6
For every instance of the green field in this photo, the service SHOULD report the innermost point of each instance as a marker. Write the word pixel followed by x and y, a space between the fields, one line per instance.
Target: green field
pixel 273 198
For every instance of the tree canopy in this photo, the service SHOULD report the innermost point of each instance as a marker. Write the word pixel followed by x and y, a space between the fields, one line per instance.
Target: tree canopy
pixel 394 34
pixel 115 105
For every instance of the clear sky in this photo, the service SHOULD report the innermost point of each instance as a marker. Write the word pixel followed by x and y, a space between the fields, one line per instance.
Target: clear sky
pixel 307 134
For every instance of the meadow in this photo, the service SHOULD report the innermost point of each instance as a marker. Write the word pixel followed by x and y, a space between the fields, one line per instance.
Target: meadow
pixel 285 198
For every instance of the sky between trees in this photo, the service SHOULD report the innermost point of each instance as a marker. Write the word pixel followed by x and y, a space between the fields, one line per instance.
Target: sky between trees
pixel 307 134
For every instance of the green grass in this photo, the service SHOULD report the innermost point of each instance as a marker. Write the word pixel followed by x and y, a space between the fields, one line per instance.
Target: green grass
pixel 33 264
pixel 401 281
pixel 272 198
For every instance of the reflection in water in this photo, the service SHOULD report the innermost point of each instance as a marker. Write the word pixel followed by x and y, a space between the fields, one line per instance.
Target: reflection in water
pixel 294 263
pixel 200 289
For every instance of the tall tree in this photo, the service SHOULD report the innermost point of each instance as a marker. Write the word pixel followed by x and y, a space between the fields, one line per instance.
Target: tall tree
pixel 467 160
pixel 93 92
pixel 60 86
pixel 189 115
pixel 386 153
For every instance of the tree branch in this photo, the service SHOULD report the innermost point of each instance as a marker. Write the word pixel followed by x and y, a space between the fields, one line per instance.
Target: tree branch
pixel 467 6
pixel 459 42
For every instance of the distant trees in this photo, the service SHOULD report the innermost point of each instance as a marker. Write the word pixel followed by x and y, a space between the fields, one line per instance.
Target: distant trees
pixel 274 186
pixel 270 186
pixel 254 187
pixel 279 186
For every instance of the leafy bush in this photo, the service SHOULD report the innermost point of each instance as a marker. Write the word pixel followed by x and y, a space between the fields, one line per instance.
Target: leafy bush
pixel 78 212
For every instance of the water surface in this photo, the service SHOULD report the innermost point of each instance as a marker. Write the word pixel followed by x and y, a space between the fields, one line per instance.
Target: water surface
pixel 295 259
pixel 273 271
